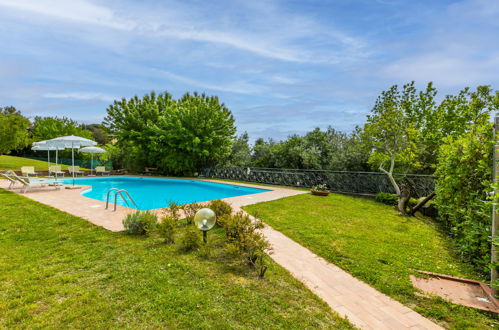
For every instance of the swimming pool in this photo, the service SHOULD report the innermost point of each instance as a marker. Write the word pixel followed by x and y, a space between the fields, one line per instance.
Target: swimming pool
pixel 154 193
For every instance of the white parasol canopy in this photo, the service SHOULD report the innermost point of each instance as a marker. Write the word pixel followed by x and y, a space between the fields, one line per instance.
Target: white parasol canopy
pixel 73 142
pixel 92 151
pixel 42 145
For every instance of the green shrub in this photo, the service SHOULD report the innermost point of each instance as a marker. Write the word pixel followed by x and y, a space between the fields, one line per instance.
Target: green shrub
pixel 166 228
pixel 392 199
pixel 246 241
pixel 190 211
pixel 386 198
pixel 173 210
pixel 190 239
pixel 464 173
pixel 220 208
pixel 140 223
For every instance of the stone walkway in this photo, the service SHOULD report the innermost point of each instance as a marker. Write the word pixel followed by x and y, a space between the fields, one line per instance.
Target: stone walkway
pixel 364 306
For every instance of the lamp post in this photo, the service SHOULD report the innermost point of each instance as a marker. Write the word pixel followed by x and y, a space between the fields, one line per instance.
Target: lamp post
pixel 205 219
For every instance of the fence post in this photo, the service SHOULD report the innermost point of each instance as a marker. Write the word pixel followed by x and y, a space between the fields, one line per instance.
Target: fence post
pixel 495 215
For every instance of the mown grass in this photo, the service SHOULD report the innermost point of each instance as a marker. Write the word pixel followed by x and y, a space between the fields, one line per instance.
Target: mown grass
pixel 59 271
pixel 15 163
pixel 374 244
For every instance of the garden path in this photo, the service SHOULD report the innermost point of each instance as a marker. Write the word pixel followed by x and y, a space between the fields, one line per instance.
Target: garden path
pixel 364 306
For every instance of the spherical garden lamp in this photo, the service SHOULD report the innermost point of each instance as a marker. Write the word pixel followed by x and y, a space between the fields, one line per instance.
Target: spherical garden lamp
pixel 205 219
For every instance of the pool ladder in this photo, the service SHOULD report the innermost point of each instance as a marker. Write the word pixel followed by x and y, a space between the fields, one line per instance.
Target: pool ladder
pixel 119 192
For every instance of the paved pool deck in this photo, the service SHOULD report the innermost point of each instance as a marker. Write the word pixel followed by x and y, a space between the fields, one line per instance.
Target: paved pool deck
pixel 94 211
pixel 364 306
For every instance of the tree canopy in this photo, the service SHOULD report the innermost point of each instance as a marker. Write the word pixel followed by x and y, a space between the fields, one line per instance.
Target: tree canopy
pixel 327 149
pixel 45 128
pixel 14 132
pixel 178 136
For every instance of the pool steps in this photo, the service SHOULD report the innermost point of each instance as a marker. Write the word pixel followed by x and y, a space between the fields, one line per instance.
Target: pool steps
pixel 120 193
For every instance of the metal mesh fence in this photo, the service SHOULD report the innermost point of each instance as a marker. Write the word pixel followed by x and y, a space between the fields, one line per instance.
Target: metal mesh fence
pixel 339 181
pixel 83 163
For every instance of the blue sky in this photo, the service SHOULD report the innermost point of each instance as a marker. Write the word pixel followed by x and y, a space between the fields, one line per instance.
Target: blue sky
pixel 282 67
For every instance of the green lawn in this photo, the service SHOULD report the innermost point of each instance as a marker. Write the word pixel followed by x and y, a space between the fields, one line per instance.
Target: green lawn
pixel 59 271
pixel 15 163
pixel 374 244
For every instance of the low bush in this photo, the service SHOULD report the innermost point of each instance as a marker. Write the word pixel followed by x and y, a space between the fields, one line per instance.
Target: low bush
pixel 220 208
pixel 244 240
pixel 140 223
pixel 190 238
pixel 386 198
pixel 392 199
pixel 190 211
pixel 166 228
pixel 173 210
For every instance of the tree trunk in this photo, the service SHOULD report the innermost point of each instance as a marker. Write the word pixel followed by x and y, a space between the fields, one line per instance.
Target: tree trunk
pixel 404 197
pixel 389 173
pixel 422 203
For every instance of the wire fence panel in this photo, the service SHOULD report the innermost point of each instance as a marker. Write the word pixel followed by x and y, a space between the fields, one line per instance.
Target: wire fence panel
pixel 339 181
pixel 83 163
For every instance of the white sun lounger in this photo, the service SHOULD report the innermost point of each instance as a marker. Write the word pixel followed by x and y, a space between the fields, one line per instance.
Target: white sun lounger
pixel 28 170
pixel 76 170
pixel 101 170
pixel 55 169
pixel 7 176
pixel 29 183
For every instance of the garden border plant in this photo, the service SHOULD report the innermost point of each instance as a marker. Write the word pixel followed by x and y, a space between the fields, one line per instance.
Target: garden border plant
pixel 244 242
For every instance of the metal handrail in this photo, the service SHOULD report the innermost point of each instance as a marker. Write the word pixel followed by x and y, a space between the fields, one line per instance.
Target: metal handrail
pixel 107 197
pixel 119 192
pixel 130 197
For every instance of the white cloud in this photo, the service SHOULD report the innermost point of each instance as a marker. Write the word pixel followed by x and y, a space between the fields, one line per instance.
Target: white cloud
pixel 74 10
pixel 355 112
pixel 233 87
pixel 80 96
pixel 273 33
pixel 457 49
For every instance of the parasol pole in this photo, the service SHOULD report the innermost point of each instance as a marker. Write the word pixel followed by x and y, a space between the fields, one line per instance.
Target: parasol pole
pixel 73 161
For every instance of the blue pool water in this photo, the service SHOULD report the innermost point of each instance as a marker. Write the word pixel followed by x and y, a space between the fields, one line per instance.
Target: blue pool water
pixel 154 193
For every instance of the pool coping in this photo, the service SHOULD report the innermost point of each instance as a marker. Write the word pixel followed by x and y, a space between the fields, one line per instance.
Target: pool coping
pixel 92 210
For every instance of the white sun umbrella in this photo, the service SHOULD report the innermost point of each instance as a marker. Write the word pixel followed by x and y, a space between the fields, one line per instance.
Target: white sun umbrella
pixel 42 145
pixel 73 142
pixel 92 151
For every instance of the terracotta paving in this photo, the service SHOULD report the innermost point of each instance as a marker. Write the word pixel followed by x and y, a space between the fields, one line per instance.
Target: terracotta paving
pixel 364 306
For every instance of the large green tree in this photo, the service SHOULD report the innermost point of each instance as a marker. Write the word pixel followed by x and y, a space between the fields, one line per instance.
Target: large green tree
pixel 327 149
pixel 406 129
pixel 241 151
pixel 45 128
pixel 392 134
pixel 13 130
pixel 178 136
pixel 99 133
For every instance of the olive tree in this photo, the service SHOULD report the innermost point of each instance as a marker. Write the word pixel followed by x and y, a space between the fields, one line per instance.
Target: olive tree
pixel 392 134
pixel 406 130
